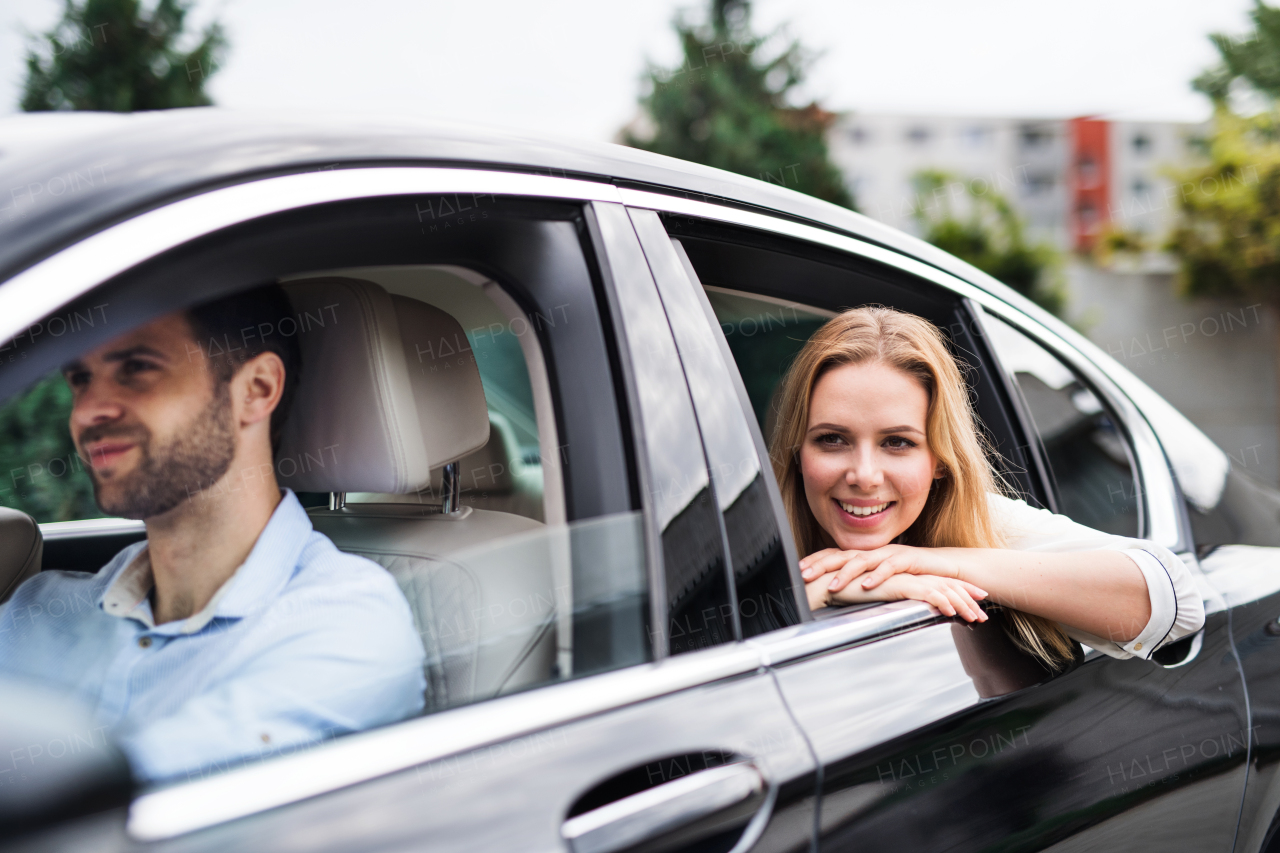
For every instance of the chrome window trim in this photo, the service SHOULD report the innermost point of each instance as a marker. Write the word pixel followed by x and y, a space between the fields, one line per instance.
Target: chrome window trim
pixel 186 807
pixel 53 282
pixel 1163 521
pixel 52 530
pixel 841 631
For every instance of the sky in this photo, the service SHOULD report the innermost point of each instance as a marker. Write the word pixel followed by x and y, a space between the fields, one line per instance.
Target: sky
pixel 573 67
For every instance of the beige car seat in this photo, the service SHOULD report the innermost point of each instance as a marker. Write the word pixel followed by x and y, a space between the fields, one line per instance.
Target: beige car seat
pixel 378 407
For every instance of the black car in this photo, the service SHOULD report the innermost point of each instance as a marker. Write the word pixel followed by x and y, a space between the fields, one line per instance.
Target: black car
pixel 620 656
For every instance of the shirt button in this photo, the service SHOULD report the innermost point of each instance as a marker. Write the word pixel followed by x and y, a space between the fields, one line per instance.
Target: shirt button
pixel 1137 647
pixel 144 642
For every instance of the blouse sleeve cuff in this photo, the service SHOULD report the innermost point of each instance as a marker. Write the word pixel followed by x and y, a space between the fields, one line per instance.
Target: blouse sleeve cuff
pixel 1164 604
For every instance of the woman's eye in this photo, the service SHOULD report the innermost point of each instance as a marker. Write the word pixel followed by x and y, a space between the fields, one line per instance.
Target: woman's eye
pixel 830 439
pixel 899 442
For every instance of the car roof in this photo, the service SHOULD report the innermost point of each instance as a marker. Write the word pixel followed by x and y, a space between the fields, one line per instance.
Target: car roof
pixel 64 175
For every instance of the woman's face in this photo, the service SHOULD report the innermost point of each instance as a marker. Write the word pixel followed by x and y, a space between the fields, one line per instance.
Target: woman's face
pixel 865 460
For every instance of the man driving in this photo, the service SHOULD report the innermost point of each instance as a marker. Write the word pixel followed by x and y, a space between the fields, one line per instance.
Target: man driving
pixel 234 630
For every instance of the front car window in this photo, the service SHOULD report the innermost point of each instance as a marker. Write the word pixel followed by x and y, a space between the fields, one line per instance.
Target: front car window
pixel 422 379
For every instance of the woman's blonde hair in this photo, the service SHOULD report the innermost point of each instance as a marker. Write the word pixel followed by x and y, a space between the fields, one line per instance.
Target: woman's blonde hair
pixel 956 513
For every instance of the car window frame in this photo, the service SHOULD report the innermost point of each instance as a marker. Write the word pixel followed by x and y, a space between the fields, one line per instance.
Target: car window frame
pixel 1165 518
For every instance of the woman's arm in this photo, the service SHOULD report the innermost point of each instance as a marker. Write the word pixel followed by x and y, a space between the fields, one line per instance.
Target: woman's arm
pixel 951 596
pixel 1101 592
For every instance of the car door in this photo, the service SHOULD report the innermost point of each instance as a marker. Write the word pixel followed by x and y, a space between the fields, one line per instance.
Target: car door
pixel 1235 519
pixel 668 733
pixel 934 736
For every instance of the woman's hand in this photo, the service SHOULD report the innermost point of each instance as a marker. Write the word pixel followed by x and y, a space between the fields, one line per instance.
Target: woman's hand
pixel 880 564
pixel 951 596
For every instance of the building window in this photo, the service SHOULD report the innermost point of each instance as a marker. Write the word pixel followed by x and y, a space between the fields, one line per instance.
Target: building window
pixel 976 136
pixel 1088 216
pixel 1140 186
pixel 1033 136
pixel 1087 171
pixel 1141 144
pixel 1039 184
pixel 918 135
pixel 859 136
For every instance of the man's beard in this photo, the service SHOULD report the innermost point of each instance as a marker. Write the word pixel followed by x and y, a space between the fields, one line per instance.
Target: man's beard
pixel 196 458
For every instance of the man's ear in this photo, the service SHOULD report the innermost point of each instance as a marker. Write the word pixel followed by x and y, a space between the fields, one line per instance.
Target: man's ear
pixel 257 387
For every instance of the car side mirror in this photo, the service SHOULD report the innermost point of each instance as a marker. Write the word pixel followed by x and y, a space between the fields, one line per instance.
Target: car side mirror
pixel 56 764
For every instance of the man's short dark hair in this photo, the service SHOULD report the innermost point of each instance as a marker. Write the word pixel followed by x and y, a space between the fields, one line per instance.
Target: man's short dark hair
pixel 236 328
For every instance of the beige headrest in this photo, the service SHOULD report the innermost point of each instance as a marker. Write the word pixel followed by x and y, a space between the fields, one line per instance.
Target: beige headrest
pixel 21 547
pixel 389 390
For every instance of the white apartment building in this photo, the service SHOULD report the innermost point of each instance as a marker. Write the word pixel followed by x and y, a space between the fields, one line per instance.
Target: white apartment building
pixel 1067 177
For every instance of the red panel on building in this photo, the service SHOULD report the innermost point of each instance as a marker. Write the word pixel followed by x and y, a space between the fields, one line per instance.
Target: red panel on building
pixel 1090 171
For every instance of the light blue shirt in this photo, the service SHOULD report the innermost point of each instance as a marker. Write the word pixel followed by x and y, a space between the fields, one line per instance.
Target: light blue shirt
pixel 302 643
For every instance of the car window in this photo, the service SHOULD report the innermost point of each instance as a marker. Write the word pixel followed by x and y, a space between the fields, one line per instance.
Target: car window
pixel 1087 454
pixel 764 334
pixel 538 575
pixel 40 472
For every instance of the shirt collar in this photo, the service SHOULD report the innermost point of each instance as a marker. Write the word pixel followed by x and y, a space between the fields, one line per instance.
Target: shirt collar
pixel 255 583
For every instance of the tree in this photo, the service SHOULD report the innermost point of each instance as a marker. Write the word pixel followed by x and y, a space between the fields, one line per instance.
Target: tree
pixel 990 236
pixel 109 55
pixel 1227 234
pixel 727 106
pixel 1253 59
pixel 42 475
pixel 102 55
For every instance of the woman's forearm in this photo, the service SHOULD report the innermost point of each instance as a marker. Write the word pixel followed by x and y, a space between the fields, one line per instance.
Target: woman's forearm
pixel 1101 592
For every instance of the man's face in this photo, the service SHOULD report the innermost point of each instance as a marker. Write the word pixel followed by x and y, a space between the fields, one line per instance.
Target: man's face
pixel 152 423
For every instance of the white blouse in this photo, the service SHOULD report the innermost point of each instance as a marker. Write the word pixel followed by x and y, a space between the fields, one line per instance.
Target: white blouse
pixel 1176 606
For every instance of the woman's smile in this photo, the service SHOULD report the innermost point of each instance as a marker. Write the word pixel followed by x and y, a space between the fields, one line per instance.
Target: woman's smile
pixel 862 514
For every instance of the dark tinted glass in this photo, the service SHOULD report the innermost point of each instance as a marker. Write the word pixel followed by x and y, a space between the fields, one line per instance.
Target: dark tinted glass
pixel 682 499
pixel 1087 454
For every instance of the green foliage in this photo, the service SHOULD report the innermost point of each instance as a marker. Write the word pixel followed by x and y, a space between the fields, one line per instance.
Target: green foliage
pixel 726 106
pixel 1227 238
pixel 1253 59
pixel 1115 241
pixel 108 55
pixel 991 237
pixel 40 472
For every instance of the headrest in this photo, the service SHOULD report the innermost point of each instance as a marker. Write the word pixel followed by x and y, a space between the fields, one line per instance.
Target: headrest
pixel 21 547
pixel 389 390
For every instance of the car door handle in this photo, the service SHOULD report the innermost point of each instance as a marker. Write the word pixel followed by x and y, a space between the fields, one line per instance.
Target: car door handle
pixel 662 808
